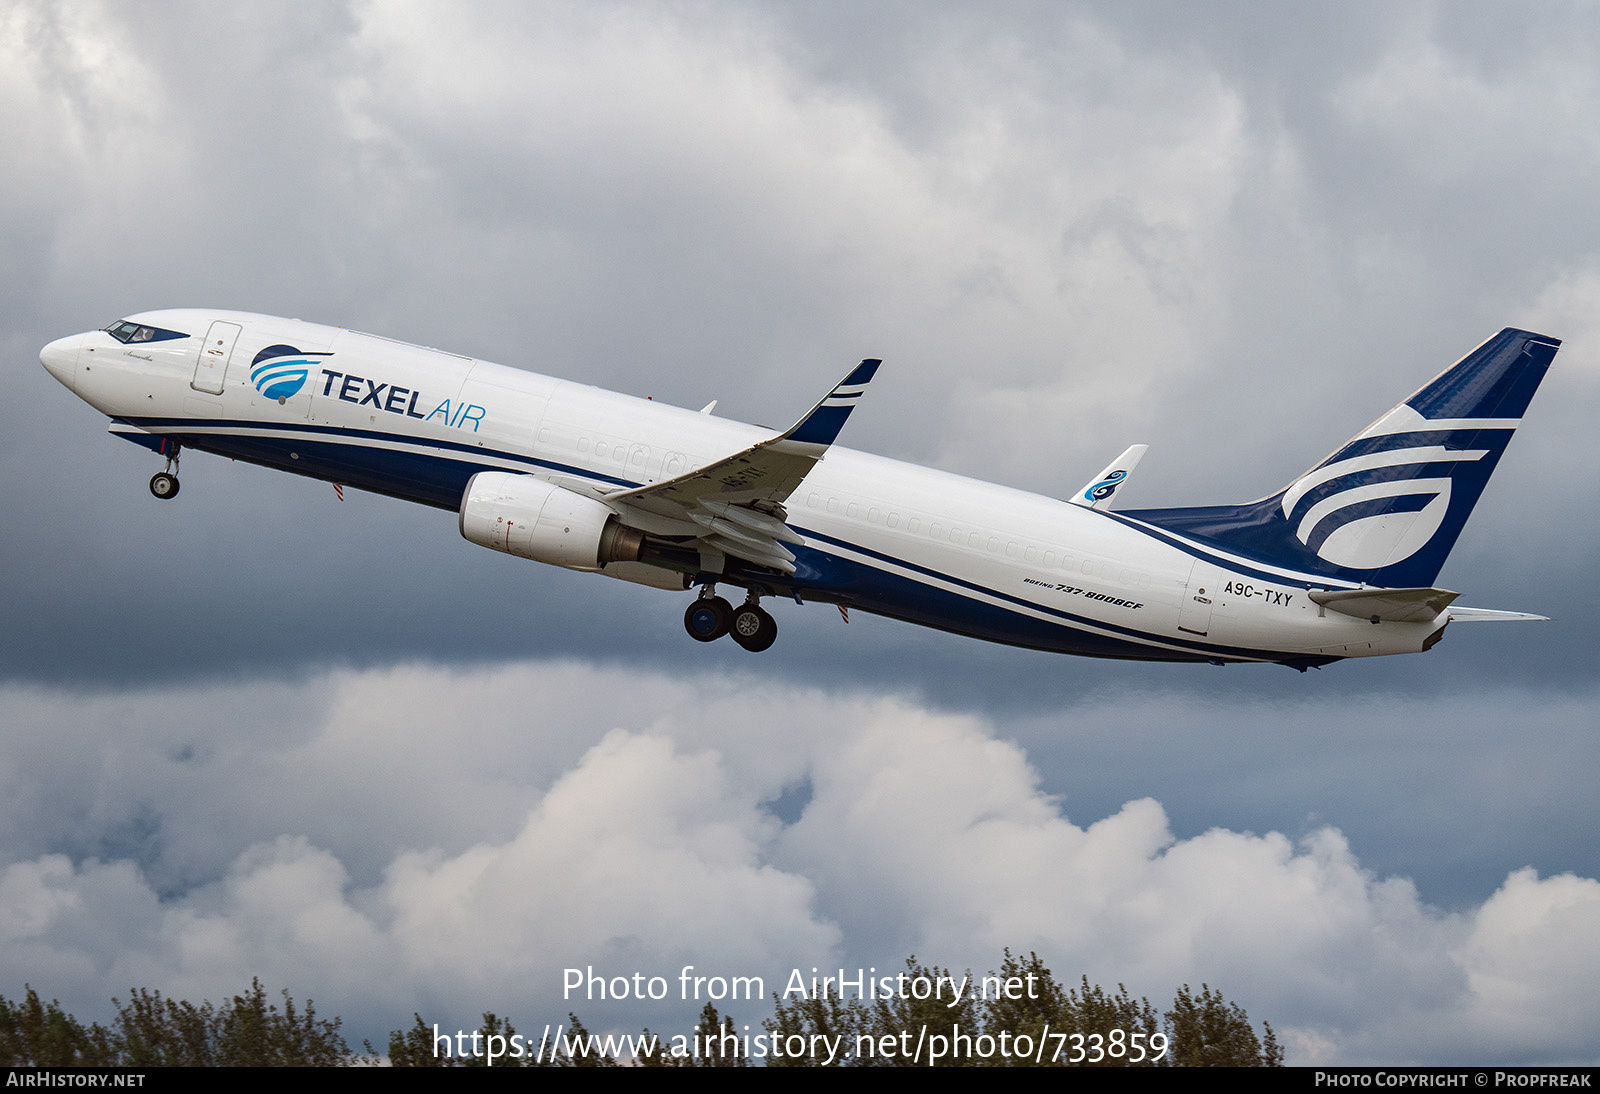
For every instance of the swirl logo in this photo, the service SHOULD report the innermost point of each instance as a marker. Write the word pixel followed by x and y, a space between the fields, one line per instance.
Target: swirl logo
pixel 279 372
pixel 1107 486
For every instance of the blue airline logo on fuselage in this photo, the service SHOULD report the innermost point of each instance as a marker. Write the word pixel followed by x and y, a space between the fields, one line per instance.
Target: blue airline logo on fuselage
pixel 393 399
pixel 279 372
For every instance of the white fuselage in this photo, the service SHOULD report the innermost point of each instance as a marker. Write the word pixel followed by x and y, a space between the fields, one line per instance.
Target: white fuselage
pixel 883 536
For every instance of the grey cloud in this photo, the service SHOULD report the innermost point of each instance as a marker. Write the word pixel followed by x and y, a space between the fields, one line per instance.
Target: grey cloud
pixel 1236 235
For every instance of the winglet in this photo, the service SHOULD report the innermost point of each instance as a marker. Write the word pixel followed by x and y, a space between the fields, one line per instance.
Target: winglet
pixel 822 425
pixel 1097 492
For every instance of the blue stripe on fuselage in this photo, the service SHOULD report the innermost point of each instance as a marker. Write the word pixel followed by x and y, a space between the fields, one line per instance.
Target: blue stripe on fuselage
pixel 323 454
pixel 860 585
pixel 439 478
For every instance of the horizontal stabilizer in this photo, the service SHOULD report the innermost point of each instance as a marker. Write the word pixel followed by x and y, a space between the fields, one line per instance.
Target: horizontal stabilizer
pixel 1386 605
pixel 1489 615
pixel 1097 492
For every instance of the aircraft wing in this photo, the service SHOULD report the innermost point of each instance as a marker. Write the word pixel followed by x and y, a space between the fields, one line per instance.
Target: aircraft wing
pixel 736 503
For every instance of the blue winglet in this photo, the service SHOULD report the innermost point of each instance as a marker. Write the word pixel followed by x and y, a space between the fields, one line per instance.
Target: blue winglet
pixel 827 418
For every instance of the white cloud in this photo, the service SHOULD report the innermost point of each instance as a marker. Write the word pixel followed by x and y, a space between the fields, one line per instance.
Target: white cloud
pixel 651 848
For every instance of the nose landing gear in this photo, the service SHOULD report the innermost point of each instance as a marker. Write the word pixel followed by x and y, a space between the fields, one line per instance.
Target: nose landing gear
pixel 710 617
pixel 164 484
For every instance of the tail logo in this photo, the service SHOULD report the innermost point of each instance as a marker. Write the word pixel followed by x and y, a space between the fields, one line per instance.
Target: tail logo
pixel 1105 487
pixel 279 372
pixel 1374 509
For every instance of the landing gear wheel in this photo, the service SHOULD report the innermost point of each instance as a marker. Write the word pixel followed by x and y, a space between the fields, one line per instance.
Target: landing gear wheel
pixel 753 628
pixel 708 618
pixel 164 486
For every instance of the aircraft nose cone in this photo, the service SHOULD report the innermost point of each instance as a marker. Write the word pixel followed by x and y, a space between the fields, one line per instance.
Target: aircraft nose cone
pixel 60 358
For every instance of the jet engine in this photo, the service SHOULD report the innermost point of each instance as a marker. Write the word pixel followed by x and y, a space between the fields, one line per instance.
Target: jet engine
pixel 526 516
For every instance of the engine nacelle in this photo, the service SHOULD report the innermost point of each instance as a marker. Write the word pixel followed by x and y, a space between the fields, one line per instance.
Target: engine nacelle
pixel 531 518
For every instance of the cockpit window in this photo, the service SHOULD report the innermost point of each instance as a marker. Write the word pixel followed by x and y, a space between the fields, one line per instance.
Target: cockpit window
pixel 126 332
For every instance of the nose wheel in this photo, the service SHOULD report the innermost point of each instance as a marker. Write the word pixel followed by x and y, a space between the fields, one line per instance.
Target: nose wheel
pixel 710 617
pixel 164 484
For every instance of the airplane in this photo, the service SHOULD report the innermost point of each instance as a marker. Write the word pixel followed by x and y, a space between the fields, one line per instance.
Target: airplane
pixel 1340 563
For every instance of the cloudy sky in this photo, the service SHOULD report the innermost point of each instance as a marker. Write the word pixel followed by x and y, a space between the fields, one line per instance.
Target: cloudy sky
pixel 258 731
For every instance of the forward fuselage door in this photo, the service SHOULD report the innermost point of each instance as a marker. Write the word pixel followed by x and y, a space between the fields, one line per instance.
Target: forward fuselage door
pixel 212 367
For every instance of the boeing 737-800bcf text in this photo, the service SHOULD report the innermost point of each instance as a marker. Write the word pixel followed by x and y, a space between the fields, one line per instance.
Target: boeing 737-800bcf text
pixel 1340 563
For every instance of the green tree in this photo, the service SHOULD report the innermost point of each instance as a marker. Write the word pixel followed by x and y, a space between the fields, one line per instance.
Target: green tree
pixel 906 1021
pixel 1024 999
pixel 38 1034
pixel 709 1032
pixel 587 1056
pixel 415 1047
pixel 827 1017
pixel 1107 1024
pixel 250 1032
pixel 150 1031
pixel 1208 1031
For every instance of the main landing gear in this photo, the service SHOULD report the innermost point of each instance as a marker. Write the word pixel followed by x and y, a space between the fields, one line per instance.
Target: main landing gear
pixel 164 484
pixel 710 617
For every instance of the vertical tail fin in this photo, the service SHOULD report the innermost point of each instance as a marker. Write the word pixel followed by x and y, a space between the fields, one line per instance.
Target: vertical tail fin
pixel 1387 507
